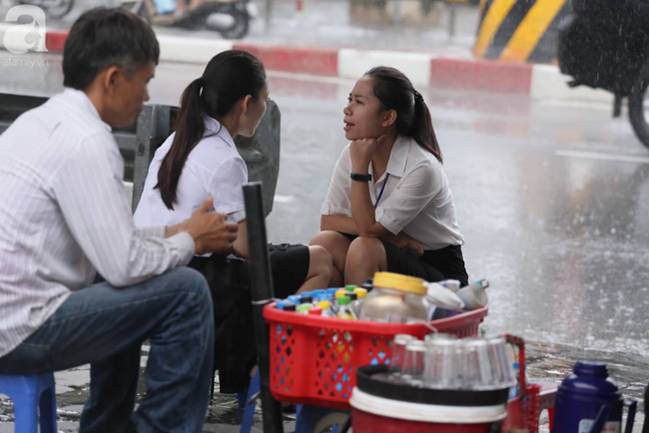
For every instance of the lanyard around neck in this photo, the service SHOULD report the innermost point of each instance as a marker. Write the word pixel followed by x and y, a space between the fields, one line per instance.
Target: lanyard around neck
pixel 385 182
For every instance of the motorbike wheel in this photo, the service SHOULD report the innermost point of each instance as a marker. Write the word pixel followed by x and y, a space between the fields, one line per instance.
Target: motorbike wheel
pixel 240 27
pixel 639 106
pixel 58 8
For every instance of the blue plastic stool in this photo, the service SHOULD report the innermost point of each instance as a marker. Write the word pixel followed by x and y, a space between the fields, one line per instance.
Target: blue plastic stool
pixel 32 394
pixel 306 416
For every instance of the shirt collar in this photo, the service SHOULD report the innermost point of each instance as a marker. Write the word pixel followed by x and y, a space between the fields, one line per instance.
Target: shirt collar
pixel 214 127
pixel 79 99
pixel 399 156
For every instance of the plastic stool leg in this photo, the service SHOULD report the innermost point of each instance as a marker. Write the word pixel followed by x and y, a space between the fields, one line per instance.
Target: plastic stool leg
pixel 26 414
pixel 250 404
pixel 48 411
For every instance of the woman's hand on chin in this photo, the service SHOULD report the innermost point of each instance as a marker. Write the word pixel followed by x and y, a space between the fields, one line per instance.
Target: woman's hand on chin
pixel 361 151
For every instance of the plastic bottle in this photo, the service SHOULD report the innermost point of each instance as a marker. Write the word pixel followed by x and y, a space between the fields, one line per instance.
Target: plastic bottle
pixel 345 310
pixel 358 302
pixel 285 306
pixel 395 298
pixel 315 311
pixel 340 293
pixel 474 295
pixel 295 299
pixel 304 307
pixel 325 306
pixel 453 285
pixel 513 391
pixel 368 284
pixel 513 355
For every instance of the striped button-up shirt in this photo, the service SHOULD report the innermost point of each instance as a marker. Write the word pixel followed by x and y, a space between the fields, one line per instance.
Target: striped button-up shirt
pixel 65 215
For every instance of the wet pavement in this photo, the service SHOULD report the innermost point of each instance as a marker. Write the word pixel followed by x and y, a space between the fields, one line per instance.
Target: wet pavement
pixel 552 199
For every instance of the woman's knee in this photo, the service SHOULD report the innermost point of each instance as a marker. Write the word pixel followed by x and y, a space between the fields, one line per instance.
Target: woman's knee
pixel 365 250
pixel 327 239
pixel 335 243
pixel 320 261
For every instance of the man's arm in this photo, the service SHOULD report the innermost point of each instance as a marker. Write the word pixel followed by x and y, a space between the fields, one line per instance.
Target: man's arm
pixel 94 203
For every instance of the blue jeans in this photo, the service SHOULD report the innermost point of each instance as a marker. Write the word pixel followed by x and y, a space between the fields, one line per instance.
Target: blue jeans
pixel 105 326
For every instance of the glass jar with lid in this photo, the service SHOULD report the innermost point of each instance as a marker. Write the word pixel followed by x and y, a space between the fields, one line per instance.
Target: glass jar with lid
pixel 395 298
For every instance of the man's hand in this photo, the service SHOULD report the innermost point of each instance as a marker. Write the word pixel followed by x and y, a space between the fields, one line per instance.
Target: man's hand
pixel 210 231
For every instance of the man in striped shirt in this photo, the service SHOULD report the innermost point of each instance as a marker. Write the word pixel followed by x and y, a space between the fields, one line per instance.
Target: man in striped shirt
pixel 65 216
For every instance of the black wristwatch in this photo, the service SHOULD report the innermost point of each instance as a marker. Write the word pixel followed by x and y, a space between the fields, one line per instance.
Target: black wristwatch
pixel 361 177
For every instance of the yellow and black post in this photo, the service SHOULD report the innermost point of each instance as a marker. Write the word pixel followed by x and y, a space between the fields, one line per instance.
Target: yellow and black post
pixel 520 30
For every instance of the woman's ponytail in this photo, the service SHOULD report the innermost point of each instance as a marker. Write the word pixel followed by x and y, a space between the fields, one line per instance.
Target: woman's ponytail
pixel 422 128
pixel 228 77
pixel 189 131
pixel 395 91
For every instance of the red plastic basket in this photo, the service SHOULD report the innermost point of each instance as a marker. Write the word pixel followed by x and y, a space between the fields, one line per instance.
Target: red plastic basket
pixel 313 359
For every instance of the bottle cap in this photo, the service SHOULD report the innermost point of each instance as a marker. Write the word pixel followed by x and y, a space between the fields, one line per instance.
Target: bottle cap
pixel 403 283
pixel 316 311
pixel 324 305
pixel 360 292
pixel 345 300
pixel 350 287
pixel 304 308
pixel 353 296
pixel 340 293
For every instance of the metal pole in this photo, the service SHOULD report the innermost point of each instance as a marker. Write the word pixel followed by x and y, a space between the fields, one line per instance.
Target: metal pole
pixel 261 287
pixel 452 19
pixel 269 13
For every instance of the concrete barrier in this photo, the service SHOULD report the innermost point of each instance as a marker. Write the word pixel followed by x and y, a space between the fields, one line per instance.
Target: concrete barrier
pixel 520 30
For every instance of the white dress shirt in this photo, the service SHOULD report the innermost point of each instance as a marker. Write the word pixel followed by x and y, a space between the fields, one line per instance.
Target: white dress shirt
pixel 416 199
pixel 65 215
pixel 213 168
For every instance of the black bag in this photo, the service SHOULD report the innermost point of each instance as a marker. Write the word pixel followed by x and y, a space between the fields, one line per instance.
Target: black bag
pixel 235 350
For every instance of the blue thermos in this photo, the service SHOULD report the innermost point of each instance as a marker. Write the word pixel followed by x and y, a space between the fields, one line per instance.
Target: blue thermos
pixel 587 401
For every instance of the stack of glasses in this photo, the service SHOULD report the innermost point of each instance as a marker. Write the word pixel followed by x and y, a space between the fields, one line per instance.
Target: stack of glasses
pixel 441 361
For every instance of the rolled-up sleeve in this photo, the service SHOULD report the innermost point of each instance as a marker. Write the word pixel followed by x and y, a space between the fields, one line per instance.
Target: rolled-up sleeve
pixel 413 193
pixel 89 190
pixel 338 199
pixel 226 185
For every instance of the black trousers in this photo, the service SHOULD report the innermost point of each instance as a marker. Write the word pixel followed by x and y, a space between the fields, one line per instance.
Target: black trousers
pixel 228 278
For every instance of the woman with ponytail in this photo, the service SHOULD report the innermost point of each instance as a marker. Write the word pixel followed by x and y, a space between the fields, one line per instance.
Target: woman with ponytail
pixel 200 160
pixel 389 206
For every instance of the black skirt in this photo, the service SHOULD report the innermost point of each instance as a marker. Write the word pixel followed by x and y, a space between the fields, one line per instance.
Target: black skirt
pixel 433 265
pixel 228 278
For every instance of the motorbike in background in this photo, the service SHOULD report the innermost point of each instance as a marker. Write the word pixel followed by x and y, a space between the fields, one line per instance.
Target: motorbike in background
pixel 230 18
pixel 52 8
pixel 605 44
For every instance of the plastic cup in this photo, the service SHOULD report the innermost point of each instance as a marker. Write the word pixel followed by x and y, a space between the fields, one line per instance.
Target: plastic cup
pixel 399 350
pixel 478 372
pixel 413 362
pixel 441 364
pixel 502 361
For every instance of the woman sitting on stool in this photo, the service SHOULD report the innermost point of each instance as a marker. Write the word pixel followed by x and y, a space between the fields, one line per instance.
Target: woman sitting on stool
pixel 200 160
pixel 389 206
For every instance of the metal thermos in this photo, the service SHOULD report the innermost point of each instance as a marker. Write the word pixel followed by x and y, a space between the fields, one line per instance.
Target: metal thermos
pixel 587 401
